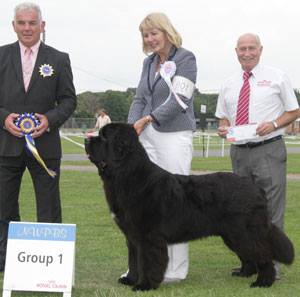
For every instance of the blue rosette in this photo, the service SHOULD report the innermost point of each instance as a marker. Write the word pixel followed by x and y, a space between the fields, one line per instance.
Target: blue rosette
pixel 27 122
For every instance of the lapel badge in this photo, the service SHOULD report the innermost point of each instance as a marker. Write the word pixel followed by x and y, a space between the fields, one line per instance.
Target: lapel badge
pixel 46 70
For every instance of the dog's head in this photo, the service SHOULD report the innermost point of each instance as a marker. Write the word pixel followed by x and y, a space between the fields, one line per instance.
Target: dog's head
pixel 113 145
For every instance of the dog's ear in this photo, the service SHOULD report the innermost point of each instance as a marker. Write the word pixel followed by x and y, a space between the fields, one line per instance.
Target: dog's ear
pixel 92 147
pixel 124 140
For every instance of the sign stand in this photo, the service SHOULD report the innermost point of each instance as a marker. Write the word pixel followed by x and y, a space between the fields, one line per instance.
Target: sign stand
pixel 40 257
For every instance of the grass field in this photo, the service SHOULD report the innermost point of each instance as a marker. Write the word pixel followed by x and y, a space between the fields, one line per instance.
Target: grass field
pixel 101 255
pixel 199 163
pixel 224 164
pixel 215 143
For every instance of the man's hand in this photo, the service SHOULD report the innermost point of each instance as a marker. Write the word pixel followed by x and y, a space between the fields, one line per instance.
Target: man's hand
pixel 42 128
pixel 222 131
pixel 265 128
pixel 9 125
pixel 224 124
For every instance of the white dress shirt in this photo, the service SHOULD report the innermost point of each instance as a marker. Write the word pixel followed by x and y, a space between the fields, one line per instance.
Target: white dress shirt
pixel 271 94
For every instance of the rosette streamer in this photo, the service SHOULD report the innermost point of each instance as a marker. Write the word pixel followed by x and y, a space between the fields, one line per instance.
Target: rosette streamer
pixel 167 70
pixel 27 122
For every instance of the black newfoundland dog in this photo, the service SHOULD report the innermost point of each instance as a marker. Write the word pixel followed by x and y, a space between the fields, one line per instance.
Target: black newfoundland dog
pixel 154 208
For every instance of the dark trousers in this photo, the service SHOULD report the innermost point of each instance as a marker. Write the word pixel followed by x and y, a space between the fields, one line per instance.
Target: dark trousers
pixel 266 165
pixel 46 192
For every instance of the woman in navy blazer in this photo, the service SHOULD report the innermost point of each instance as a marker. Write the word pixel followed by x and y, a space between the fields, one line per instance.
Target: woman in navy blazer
pixel 162 111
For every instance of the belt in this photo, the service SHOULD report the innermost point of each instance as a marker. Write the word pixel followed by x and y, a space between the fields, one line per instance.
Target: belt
pixel 255 144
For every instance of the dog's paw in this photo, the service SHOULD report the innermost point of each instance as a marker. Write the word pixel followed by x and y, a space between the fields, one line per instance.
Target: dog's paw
pixel 243 272
pixel 143 287
pixel 124 280
pixel 262 284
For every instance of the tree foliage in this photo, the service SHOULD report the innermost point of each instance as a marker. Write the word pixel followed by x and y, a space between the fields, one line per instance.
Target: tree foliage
pixel 117 104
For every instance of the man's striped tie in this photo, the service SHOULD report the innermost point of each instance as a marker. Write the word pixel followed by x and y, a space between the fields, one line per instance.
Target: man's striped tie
pixel 242 115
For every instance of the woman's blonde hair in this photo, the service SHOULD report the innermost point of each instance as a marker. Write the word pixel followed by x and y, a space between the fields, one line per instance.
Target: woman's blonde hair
pixel 160 21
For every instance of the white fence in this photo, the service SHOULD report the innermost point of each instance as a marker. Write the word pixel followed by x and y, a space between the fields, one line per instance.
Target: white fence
pixel 206 144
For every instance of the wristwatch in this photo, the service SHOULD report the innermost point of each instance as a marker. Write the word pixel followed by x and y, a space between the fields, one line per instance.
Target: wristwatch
pixel 275 124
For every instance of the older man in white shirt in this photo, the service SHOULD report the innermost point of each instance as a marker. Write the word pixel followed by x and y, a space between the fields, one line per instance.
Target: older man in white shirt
pixel 271 104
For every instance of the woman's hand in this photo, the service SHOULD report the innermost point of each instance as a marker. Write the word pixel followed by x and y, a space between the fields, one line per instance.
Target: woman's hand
pixel 140 124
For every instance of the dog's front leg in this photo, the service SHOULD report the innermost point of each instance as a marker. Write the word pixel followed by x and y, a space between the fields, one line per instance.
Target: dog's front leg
pixel 131 277
pixel 152 263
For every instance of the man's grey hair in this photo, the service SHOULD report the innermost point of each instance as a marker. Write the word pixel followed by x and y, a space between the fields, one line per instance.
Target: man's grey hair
pixel 28 6
pixel 255 36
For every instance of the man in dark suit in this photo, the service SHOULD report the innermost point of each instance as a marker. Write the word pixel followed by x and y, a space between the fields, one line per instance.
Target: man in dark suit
pixel 34 78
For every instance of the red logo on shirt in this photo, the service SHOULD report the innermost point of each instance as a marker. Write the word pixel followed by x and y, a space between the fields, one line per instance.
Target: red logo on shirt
pixel 264 83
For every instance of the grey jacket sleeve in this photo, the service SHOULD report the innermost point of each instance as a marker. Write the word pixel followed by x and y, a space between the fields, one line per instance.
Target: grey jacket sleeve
pixel 139 102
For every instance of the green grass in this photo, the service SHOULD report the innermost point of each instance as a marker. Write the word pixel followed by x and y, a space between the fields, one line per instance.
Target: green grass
pixel 199 163
pixel 198 142
pixel 78 163
pixel 224 163
pixel 101 254
pixel 215 142
pixel 211 164
pixel 71 148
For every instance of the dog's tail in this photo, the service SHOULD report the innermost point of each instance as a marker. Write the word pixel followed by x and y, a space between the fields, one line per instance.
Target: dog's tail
pixel 282 247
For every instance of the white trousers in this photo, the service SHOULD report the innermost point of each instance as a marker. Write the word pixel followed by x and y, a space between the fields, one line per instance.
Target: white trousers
pixel 172 151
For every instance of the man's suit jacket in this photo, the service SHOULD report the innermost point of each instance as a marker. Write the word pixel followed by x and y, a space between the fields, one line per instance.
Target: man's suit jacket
pixel 152 93
pixel 53 96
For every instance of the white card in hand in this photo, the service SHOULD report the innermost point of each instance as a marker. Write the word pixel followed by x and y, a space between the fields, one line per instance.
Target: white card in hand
pixel 242 133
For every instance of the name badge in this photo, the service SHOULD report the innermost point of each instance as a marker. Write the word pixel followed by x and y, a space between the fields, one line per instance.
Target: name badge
pixel 183 86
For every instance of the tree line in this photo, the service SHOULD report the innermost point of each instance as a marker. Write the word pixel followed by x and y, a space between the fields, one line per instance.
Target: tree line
pixel 117 104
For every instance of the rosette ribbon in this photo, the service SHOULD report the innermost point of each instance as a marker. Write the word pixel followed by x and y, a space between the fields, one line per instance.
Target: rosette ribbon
pixel 167 70
pixel 27 122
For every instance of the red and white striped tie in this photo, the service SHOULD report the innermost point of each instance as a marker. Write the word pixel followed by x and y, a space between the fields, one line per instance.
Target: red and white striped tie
pixel 242 115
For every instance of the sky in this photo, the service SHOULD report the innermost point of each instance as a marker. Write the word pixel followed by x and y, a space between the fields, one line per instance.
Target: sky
pixel 105 46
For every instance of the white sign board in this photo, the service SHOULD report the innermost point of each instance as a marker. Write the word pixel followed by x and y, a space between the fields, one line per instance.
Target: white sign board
pixel 203 108
pixel 40 257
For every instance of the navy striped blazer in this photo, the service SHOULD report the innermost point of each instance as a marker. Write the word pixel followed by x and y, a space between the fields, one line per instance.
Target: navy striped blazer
pixel 152 92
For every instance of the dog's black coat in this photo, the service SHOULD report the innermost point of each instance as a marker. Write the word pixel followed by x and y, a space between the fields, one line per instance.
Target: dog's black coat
pixel 153 207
